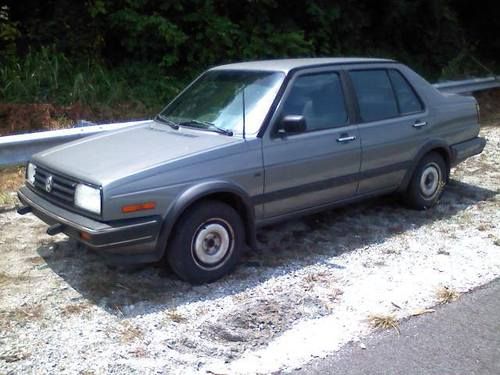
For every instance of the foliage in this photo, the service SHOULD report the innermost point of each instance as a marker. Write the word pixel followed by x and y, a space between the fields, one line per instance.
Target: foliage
pixel 117 50
pixel 8 32
pixel 49 76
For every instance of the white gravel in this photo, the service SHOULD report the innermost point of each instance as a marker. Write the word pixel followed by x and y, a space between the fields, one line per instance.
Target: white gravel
pixel 308 291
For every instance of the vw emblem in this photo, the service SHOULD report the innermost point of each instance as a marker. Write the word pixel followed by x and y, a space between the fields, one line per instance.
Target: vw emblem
pixel 48 184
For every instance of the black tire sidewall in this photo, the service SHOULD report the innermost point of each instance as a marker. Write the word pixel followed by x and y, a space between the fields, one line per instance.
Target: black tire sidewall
pixel 179 251
pixel 415 198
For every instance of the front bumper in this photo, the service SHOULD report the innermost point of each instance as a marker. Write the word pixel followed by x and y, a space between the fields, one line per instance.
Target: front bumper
pixel 129 241
pixel 464 150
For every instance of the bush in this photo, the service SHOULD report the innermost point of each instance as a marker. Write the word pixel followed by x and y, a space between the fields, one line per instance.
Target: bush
pixel 48 76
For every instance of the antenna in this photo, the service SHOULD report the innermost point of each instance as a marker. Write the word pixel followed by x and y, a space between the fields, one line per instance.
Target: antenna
pixel 243 103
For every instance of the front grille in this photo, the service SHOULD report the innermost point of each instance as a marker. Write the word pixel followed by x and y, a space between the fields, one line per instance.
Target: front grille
pixel 61 189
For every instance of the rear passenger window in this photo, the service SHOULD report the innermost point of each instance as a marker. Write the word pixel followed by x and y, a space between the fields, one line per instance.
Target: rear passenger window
pixel 375 95
pixel 407 99
pixel 319 98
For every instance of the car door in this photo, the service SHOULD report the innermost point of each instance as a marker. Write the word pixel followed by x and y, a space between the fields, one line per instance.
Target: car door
pixel 319 165
pixel 393 126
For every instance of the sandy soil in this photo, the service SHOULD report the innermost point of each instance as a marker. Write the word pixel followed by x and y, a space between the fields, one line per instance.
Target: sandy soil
pixel 310 288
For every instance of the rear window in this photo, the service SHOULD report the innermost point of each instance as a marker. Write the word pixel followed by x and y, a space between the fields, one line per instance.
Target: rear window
pixel 407 99
pixel 375 95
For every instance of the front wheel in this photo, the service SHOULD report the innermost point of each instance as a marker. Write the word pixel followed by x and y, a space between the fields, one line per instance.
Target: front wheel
pixel 207 242
pixel 428 182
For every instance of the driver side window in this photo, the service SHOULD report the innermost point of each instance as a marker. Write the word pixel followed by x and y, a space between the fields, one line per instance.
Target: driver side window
pixel 319 98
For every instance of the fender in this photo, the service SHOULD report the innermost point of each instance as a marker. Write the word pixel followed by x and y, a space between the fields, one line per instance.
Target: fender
pixel 426 148
pixel 199 191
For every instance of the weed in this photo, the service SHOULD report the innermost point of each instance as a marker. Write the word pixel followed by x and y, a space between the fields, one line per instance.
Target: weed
pixel 99 286
pixel 321 276
pixel 36 260
pixel 443 252
pixel 446 295
pixel 139 352
pixel 6 279
pixel 384 322
pixel 176 316
pixel 75 309
pixel 23 314
pixel 482 227
pixel 130 332
pixel 14 356
pixel 6 199
pixel 11 179
pixel 422 312
pixel 392 251
pixel 48 76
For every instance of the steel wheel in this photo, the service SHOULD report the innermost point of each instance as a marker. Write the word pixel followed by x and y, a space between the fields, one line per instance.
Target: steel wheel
pixel 427 183
pixel 430 180
pixel 207 243
pixel 212 243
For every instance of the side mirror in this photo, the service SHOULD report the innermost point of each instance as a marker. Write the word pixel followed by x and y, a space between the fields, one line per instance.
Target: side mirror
pixel 292 124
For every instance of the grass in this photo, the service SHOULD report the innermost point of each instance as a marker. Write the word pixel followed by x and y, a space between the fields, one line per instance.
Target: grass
pixel 422 312
pixel 6 199
pixel 139 352
pixel 442 251
pixel 14 356
pixel 11 179
pixel 6 279
pixel 130 332
pixel 48 76
pixel 321 276
pixel 446 295
pixel 384 322
pixel 176 316
pixel 29 313
pixel 75 309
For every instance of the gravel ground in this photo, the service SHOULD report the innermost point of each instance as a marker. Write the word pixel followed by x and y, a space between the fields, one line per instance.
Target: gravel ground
pixel 310 288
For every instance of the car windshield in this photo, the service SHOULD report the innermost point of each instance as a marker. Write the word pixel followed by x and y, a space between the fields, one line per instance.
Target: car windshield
pixel 215 101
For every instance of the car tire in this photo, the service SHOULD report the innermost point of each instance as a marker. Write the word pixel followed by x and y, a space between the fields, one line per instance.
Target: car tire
pixel 427 183
pixel 207 242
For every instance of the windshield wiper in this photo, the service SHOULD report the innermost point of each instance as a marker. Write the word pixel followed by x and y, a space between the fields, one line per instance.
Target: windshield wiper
pixel 165 120
pixel 206 126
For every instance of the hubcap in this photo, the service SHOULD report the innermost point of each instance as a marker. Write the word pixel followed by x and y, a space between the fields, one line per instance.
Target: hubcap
pixel 212 244
pixel 430 179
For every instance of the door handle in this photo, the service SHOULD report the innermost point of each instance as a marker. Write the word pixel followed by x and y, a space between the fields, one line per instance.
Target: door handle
pixel 419 124
pixel 346 139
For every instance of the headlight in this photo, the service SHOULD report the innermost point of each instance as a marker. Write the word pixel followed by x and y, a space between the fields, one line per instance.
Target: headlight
pixel 30 173
pixel 88 198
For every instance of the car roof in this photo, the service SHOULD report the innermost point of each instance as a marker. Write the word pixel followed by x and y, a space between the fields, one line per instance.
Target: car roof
pixel 285 65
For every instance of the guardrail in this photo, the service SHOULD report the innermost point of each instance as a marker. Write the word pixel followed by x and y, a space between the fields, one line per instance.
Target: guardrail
pixel 468 86
pixel 17 149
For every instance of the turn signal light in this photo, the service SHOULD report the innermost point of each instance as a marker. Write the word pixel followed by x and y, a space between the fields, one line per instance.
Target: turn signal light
pixel 138 207
pixel 85 236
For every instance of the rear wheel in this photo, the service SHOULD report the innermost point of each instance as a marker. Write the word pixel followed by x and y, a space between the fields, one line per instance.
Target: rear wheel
pixel 427 182
pixel 207 242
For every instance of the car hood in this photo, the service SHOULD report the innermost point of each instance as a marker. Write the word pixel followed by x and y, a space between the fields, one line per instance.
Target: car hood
pixel 112 155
